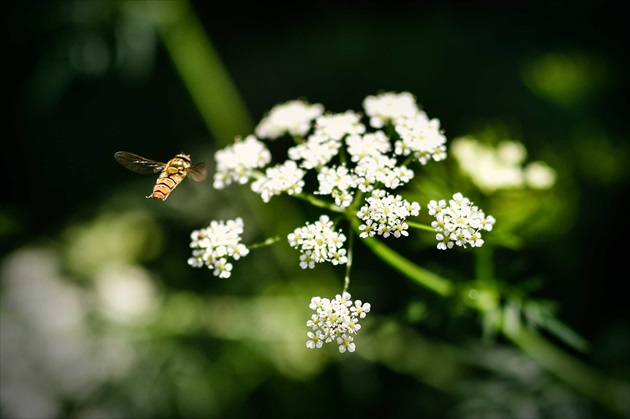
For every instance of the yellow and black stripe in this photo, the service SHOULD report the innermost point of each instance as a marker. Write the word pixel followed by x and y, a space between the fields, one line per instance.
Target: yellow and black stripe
pixel 172 175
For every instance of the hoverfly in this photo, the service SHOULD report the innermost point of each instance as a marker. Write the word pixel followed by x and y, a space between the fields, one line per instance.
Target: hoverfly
pixel 171 173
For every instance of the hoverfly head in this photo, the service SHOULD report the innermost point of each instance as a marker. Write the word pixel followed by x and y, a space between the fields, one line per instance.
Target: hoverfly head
pixel 184 156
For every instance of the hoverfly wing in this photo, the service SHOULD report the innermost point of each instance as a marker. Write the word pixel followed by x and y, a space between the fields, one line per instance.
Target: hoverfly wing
pixel 198 172
pixel 138 164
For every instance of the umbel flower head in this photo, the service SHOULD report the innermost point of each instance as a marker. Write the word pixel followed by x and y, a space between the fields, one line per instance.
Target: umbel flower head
pixel 354 167
pixel 214 245
pixel 335 321
pixel 346 157
pixel 293 118
pixel 459 222
pixel 318 242
pixel 384 214
pixel 237 162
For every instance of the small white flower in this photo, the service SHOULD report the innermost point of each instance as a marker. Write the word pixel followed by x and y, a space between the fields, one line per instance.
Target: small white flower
pixel 286 177
pixel 345 343
pixel 460 223
pixel 335 320
pixel 317 151
pixel 316 340
pixel 367 145
pixel 307 260
pixel 361 308
pixel 389 106
pixel 318 243
pixel 293 118
pixel 336 126
pixel 237 162
pixel 420 137
pixel 222 268
pixel 381 169
pixel 384 214
pixel 339 182
pixel 214 245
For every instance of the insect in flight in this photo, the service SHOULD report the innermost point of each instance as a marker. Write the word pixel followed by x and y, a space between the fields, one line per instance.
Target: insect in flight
pixel 171 173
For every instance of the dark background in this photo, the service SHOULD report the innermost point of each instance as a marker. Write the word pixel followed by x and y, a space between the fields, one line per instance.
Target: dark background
pixel 466 62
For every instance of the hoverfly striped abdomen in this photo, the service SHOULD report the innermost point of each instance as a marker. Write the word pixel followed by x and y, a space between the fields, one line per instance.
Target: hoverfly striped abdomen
pixel 171 173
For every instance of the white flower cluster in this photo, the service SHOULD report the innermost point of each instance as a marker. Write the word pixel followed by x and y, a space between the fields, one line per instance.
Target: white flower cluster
pixel 503 166
pixel 293 118
pixel 214 245
pixel 318 242
pixel 346 160
pixel 335 321
pixel 459 222
pixel 237 162
pixel 286 177
pixel 385 214
pixel 325 141
pixel 316 152
pixel 388 107
pixel 421 137
pixel 337 126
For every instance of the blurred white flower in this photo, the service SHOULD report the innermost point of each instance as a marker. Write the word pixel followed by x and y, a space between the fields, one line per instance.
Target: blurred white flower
pixel 48 353
pixel 501 167
pixel 337 126
pixel 237 162
pixel 316 152
pixel 213 245
pixel 126 294
pixel 389 106
pixel 538 175
pixel 293 117
pixel 286 177
pixel 370 144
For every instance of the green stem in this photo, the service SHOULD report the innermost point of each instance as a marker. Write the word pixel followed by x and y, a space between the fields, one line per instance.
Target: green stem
pixel 346 281
pixel 201 70
pixel 414 272
pixel 319 202
pixel 268 242
pixel 420 226
pixel 484 267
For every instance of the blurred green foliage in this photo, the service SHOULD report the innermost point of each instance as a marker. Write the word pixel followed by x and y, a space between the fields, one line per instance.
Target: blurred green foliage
pixel 101 315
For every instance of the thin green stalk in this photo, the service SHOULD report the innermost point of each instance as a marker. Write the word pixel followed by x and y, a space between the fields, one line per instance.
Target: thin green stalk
pixel 420 226
pixel 414 272
pixel 319 202
pixel 484 264
pixel 201 70
pixel 267 242
pixel 346 280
